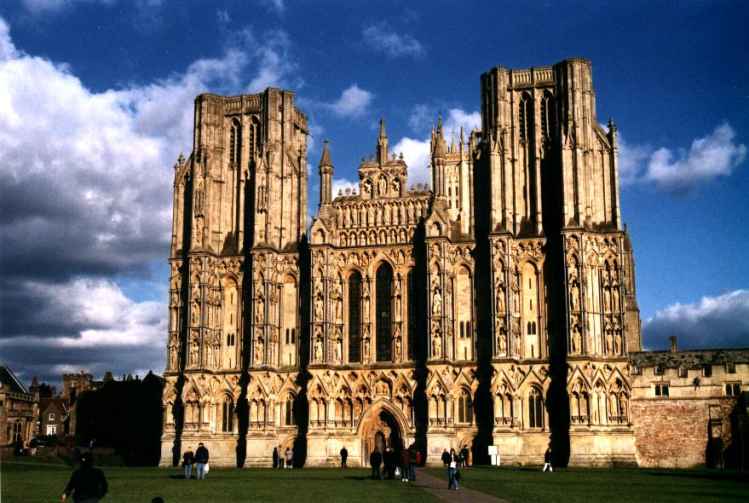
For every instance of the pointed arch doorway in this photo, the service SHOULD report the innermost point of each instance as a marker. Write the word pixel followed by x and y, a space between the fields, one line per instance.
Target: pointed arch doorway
pixel 380 430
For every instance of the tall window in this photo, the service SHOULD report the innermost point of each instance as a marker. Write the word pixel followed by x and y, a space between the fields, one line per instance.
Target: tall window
pixel 227 415
pixel 384 312
pixel 535 409
pixel 354 317
pixel 465 407
pixel 548 115
pixel 254 136
pixel 524 117
pixel 289 411
pixel 235 142
pixel 411 315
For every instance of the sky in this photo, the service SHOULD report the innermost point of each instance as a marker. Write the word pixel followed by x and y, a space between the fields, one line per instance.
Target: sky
pixel 96 102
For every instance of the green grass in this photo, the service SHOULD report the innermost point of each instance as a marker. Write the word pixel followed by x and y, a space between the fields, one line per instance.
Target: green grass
pixel 610 486
pixel 35 482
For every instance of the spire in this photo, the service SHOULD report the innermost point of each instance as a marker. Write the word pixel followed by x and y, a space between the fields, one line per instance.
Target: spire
pixel 325 158
pixel 382 144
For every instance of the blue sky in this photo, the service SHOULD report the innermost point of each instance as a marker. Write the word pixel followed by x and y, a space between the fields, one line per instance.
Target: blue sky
pixel 96 103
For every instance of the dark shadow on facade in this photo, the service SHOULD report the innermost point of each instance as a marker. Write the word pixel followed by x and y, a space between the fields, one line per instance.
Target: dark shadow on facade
pixel 301 402
pixel 482 283
pixel 555 278
pixel 420 349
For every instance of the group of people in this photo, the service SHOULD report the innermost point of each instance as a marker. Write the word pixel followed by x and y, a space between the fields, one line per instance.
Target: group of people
pixel 199 458
pixel 394 464
pixel 285 461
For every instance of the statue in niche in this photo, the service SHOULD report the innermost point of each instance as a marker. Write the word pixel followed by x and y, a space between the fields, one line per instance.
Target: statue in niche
pixel 194 347
pixel 173 351
pixel 195 313
pixel 367 187
pixel 397 348
pixel 502 341
pixel 516 337
pixel 516 300
pixel 615 297
pixel 365 299
pixel 437 344
pixel 382 186
pixel 436 302
pixel 396 187
pixel 574 297
pixel 319 311
pixel 387 215
pixel 577 339
pixel 259 310
pixel 606 299
pixel 338 348
pixel 501 300
pixel 370 215
pixel 339 310
pixel 618 342
pixel 318 348
pixel 605 277
pixel 259 350
pixel 609 340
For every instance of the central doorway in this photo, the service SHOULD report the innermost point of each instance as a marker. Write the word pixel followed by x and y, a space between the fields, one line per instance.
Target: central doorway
pixel 381 432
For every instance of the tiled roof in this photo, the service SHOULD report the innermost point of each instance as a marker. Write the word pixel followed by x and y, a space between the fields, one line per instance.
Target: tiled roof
pixel 10 382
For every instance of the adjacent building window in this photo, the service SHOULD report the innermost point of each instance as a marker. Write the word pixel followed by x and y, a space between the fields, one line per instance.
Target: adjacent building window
pixel 733 389
pixel 661 390
pixel 51 416
pixel 707 371
pixel 683 372
pixel 730 368
pixel 51 429
pixel 354 318
pixel 227 413
pixel 524 117
pixel 658 370
pixel 235 142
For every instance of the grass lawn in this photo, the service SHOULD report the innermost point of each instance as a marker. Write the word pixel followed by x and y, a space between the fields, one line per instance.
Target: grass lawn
pixel 34 482
pixel 610 486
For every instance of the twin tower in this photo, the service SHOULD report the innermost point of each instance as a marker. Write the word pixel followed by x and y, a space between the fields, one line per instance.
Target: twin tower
pixel 495 308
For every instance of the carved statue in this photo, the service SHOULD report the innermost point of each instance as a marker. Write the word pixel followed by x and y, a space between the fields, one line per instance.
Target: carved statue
pixel 618 342
pixel 609 341
pixel 577 339
pixel 615 297
pixel 387 215
pixel 338 348
pixel 319 308
pixel 437 345
pixel 195 313
pixel 501 300
pixel 365 344
pixel 318 349
pixel 574 297
pixel 382 186
pixel 396 187
pixel 259 311
pixel 194 348
pixel 397 348
pixel 259 350
pixel 436 302
pixel 502 342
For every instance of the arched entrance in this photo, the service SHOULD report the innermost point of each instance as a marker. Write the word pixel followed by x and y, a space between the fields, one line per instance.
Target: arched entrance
pixel 379 431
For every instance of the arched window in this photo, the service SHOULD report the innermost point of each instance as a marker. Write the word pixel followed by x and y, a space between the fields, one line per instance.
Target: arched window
pixel 227 415
pixel 411 315
pixel 535 409
pixel 354 317
pixel 289 411
pixel 235 142
pixel 384 312
pixel 548 115
pixel 465 407
pixel 524 117
pixel 254 136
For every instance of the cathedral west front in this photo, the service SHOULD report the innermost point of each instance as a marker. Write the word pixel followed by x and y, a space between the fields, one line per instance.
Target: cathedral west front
pixel 494 307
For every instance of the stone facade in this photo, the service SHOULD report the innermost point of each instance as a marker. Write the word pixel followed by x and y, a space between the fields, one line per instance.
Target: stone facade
pixel 18 411
pixel 497 306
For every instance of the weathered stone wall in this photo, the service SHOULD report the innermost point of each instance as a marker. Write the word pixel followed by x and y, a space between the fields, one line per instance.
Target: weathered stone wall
pixel 675 432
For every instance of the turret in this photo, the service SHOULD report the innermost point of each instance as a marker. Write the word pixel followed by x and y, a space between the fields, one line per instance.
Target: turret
pixel 326 175
pixel 439 152
pixel 382 144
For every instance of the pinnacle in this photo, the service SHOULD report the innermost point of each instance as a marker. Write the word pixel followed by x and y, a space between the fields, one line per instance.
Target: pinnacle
pixel 325 158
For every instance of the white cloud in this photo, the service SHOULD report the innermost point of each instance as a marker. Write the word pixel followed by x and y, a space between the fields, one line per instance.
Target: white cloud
pixel 274 5
pixel 354 102
pixel 709 157
pixel 341 184
pixel 712 322
pixel 417 153
pixel 44 6
pixel 382 37
pixel 222 16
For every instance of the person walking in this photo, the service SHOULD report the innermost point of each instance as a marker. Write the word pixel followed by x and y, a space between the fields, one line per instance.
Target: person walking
pixel 413 458
pixel 452 470
pixel 289 458
pixel 464 456
pixel 404 462
pixel 87 484
pixel 275 457
pixel 547 460
pixel 375 460
pixel 445 458
pixel 188 459
pixel 201 459
pixel 344 456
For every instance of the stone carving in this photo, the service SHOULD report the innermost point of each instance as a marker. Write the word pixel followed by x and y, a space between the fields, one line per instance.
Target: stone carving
pixel 436 302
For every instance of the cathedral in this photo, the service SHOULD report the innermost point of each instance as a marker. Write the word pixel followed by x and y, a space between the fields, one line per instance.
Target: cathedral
pixel 495 307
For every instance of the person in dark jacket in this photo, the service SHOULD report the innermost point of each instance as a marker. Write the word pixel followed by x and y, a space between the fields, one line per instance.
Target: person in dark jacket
pixel 445 458
pixel 275 457
pixel 464 456
pixel 452 470
pixel 404 465
pixel 375 460
pixel 87 484
pixel 201 460
pixel 413 459
pixel 344 456
pixel 188 459
pixel 388 463
pixel 547 460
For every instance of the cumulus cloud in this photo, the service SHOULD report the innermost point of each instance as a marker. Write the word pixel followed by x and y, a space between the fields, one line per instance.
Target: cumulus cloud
pixel 416 152
pixel 709 157
pixel 354 102
pixel 712 322
pixel 340 185
pixel 85 185
pixel 383 38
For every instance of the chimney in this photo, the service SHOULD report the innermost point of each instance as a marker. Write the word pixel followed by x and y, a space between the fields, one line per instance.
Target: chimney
pixel 673 344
